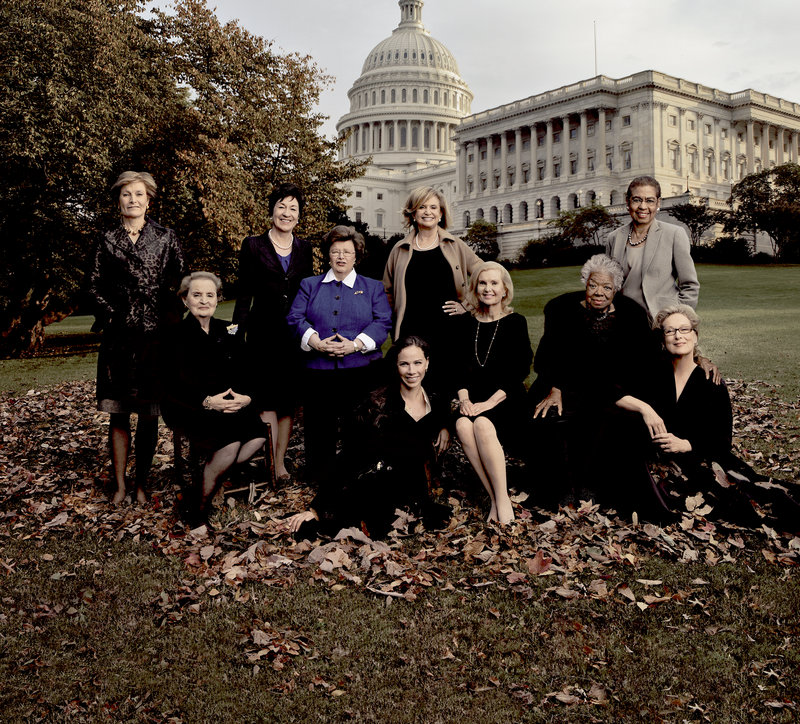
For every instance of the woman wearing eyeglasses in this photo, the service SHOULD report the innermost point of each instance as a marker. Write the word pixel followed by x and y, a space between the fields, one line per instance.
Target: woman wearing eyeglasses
pixel 340 319
pixel 655 257
pixel 688 418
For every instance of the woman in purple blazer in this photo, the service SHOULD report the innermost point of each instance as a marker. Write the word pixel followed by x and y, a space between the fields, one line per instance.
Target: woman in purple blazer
pixel 340 319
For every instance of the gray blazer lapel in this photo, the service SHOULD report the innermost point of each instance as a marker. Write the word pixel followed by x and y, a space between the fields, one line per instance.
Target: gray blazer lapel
pixel 651 247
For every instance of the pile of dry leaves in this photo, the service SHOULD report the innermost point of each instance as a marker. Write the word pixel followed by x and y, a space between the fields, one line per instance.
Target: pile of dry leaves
pixel 53 462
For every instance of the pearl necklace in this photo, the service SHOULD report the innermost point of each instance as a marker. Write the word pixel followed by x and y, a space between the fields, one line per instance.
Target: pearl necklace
pixel 427 248
pixel 641 241
pixel 488 351
pixel 282 248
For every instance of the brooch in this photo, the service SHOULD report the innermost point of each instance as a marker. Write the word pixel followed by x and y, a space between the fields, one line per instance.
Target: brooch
pixel 232 328
pixel 360 291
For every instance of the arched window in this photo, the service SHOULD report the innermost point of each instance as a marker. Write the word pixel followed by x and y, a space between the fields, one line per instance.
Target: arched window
pixel 572 201
pixel 493 214
pixel 555 206
pixel 427 138
pixel 436 97
pixel 394 96
pixel 523 211
pixel 403 137
pixel 479 213
pixel 414 136
pixel 403 96
pixel 425 96
pixel 508 214
pixel 414 95
pixel 383 96
pixel 591 198
pixel 373 98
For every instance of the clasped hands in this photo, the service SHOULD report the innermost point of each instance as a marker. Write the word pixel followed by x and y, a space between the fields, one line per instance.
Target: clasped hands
pixel 333 346
pixel 660 435
pixel 228 401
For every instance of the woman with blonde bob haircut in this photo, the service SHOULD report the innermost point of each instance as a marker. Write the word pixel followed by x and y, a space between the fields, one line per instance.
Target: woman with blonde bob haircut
pixel 426 278
pixel 495 358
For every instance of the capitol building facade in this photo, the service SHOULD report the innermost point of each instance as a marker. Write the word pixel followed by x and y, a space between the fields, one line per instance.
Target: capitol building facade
pixel 521 163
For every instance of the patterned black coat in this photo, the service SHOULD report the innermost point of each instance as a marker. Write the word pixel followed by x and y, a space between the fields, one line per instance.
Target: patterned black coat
pixel 134 290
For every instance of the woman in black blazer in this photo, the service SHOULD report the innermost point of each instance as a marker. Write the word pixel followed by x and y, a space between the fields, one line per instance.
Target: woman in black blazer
pixel 271 267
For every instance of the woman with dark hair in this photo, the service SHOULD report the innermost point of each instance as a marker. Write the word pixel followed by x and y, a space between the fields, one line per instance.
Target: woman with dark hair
pixel 495 355
pixel 136 269
pixel 271 267
pixel 426 277
pixel 655 257
pixel 340 320
pixel 687 421
pixel 389 448
pixel 208 393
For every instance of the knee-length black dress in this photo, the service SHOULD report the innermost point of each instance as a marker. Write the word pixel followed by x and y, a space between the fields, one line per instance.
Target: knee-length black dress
pixel 496 356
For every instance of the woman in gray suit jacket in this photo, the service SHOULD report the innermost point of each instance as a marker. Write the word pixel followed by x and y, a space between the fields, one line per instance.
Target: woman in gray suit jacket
pixel 655 257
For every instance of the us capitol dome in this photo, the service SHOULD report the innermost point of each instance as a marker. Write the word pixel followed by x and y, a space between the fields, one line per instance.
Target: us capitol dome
pixel 408 100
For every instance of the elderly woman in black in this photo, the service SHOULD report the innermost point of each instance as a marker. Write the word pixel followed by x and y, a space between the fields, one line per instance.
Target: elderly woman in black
pixel 596 344
pixel 271 267
pixel 688 420
pixel 208 395
pixel 388 452
pixel 136 269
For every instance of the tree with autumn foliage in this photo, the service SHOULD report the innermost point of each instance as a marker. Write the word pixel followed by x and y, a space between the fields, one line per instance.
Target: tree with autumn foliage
pixel 210 109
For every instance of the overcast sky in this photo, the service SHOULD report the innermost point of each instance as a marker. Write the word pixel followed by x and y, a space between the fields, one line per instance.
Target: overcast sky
pixel 510 49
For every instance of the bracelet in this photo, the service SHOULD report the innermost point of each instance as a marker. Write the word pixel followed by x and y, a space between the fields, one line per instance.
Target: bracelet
pixel 207 404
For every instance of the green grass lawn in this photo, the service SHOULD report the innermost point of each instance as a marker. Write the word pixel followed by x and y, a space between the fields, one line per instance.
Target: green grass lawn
pixel 749 326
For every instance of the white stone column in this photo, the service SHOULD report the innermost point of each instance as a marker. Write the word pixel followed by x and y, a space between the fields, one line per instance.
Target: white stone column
pixel 490 163
pixel 548 146
pixel 750 146
pixel 779 139
pixel 764 146
pixel 583 139
pixel 503 160
pixel 794 148
pixel 461 163
pixel 476 165
pixel 395 137
pixel 565 146
pixel 518 158
pixel 534 146
pixel 600 163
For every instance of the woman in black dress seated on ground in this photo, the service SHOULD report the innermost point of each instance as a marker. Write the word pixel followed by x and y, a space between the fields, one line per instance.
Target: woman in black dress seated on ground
pixel 208 395
pixel 388 451
pixel 596 342
pixel 495 357
pixel 688 420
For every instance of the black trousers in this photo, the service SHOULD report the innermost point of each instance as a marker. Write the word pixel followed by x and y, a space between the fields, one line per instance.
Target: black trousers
pixel 329 396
